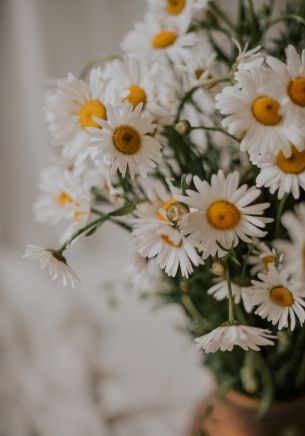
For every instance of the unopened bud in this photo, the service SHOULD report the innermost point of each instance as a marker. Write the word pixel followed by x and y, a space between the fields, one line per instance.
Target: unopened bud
pixel 184 286
pixel 183 127
pixel 176 211
pixel 218 268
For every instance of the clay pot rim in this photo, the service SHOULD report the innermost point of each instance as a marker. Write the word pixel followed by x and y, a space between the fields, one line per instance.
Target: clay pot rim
pixel 252 403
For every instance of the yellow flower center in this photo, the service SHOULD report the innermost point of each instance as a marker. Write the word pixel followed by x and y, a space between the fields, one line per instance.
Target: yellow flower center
pixel 167 241
pixel 163 39
pixel 267 260
pixel 137 95
pixel 77 216
pixel 266 111
pixel 281 296
pixel 165 206
pixel 92 108
pixel 199 72
pixel 175 7
pixel 295 164
pixel 296 91
pixel 127 140
pixel 223 215
pixel 63 198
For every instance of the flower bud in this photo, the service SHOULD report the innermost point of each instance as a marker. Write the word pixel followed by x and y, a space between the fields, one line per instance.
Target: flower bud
pixel 176 211
pixel 183 127
pixel 218 268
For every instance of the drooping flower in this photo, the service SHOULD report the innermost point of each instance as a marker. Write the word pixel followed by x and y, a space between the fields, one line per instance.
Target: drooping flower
pixel 239 291
pixel 223 214
pixel 225 338
pixel 248 59
pixel 55 264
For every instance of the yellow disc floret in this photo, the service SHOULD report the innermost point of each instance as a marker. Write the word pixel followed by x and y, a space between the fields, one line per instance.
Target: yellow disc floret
pixel 92 108
pixel 63 198
pixel 223 215
pixel 295 164
pixel 267 260
pixel 127 140
pixel 167 241
pixel 266 111
pixel 296 91
pixel 163 39
pixel 281 296
pixel 175 7
pixel 137 95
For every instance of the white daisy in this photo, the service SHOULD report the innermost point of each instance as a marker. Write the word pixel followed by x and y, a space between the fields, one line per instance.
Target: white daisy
pixel 288 82
pixel 294 250
pixel 262 258
pixel 240 293
pixel 255 114
pixel 63 196
pixel 160 40
pixel 55 264
pixel 124 142
pixel 176 9
pixel 248 59
pixel 136 81
pixel 223 213
pixel 281 173
pixel 70 110
pixel 157 234
pixel 226 337
pixel 278 299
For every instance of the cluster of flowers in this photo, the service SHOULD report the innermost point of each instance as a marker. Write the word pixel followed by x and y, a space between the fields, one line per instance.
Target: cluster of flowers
pixel 109 133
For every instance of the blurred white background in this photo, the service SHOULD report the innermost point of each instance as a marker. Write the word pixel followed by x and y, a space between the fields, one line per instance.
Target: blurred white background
pixel 70 364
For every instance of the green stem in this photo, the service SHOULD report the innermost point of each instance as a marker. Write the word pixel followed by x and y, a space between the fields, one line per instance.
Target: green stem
pixel 294 17
pixel 204 83
pixel 118 223
pixel 230 295
pixel 222 15
pixel 253 22
pixel 192 309
pixel 85 70
pixel 279 213
pixel 216 129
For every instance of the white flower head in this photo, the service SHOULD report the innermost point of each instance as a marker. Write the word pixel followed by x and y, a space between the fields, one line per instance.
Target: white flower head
pixel 239 291
pixel 63 196
pixel 278 299
pixel 225 338
pixel 288 82
pixel 55 264
pixel 294 251
pixel 283 174
pixel 262 258
pixel 177 9
pixel 125 140
pixel 70 109
pixel 160 40
pixel 157 233
pixel 223 214
pixel 248 59
pixel 256 114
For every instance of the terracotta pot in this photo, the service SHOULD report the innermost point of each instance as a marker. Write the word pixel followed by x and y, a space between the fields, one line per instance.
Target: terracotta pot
pixel 236 415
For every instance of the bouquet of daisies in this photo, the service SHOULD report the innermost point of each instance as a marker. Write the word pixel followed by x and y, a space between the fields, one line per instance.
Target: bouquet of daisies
pixel 194 141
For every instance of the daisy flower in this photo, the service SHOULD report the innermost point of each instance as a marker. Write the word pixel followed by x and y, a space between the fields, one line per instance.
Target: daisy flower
pixel 262 258
pixel 256 114
pixel 223 214
pixel 124 142
pixel 55 264
pixel 70 110
pixel 63 196
pixel 157 234
pixel 281 173
pixel 294 250
pixel 288 82
pixel 226 337
pixel 240 293
pixel 248 59
pixel 135 80
pixel 176 9
pixel 160 40
pixel 278 300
